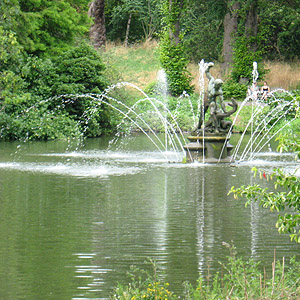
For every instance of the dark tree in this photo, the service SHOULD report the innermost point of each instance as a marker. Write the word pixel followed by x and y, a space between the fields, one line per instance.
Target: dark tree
pixel 98 29
pixel 230 28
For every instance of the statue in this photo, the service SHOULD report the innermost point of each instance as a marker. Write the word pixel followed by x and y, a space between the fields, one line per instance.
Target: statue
pixel 218 112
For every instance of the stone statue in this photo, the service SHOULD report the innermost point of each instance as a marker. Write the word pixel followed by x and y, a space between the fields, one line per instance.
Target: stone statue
pixel 218 113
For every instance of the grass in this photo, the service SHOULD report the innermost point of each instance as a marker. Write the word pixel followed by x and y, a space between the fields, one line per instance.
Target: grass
pixel 283 75
pixel 139 64
pixel 237 280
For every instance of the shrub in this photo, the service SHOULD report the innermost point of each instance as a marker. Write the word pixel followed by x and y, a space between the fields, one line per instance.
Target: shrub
pixel 233 89
pixel 174 62
pixel 35 125
pixel 148 288
pixel 243 58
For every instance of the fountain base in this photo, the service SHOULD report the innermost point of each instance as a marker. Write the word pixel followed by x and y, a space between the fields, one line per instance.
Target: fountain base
pixel 210 148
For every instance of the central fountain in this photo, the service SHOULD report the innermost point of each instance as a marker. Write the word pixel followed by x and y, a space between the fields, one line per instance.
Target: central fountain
pixel 209 142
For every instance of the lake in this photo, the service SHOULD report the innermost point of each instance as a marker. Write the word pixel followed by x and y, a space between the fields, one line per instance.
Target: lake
pixel 74 219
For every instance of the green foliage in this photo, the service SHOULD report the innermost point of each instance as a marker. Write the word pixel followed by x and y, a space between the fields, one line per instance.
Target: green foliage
pixel 143 286
pixel 12 85
pixel 37 87
pixel 202 23
pixel 281 110
pixel 232 89
pixel 239 279
pixel 12 88
pixel 50 26
pixel 184 109
pixel 174 62
pixel 10 50
pixel 82 66
pixel 172 49
pixel 279 26
pixel 9 11
pixel 243 119
pixel 41 77
pixel 49 126
pixel 242 279
pixel 145 19
pixel 77 71
pixel 286 199
pixel 37 125
pixel 243 58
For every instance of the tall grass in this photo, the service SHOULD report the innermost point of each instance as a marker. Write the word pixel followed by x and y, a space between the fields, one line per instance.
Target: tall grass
pixel 283 75
pixel 237 280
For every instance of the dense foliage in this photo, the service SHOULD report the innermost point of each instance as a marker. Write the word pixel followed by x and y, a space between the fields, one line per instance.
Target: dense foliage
pixel 46 26
pixel 42 56
pixel 49 108
pixel 172 49
pixel 175 64
pixel 133 20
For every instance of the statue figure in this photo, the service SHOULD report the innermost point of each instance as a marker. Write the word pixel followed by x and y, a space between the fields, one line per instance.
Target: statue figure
pixel 216 122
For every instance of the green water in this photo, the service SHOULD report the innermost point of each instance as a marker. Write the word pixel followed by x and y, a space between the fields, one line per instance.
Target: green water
pixel 73 221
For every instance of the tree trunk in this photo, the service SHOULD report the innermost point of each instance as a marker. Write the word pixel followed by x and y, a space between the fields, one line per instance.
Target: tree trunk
pixel 230 28
pixel 127 30
pixel 98 30
pixel 251 23
pixel 174 34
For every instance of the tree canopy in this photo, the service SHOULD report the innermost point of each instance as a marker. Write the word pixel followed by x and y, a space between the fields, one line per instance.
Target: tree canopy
pixel 37 34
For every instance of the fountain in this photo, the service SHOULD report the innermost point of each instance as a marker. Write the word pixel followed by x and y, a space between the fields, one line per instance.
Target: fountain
pixel 104 205
pixel 209 142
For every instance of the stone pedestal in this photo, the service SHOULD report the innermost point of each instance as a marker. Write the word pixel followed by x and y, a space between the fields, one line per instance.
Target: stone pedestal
pixel 211 148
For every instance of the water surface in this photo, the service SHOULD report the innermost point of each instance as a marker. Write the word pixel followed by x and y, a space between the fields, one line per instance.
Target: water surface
pixel 73 220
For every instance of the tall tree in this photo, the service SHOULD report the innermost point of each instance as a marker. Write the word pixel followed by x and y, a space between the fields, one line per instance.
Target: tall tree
pixel 133 20
pixel 230 29
pixel 98 29
pixel 251 23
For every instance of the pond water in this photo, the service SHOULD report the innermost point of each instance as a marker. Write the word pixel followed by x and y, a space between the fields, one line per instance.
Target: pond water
pixel 73 221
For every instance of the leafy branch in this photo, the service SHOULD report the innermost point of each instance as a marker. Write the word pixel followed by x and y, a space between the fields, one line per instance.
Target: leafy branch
pixel 285 200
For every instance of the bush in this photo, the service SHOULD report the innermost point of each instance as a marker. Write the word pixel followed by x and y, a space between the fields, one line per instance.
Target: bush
pixel 148 288
pixel 243 58
pixel 79 71
pixel 232 89
pixel 35 125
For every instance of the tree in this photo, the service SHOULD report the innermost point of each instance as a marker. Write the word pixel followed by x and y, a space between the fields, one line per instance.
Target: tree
pixel 230 29
pixel 172 49
pixel 98 29
pixel 251 22
pixel 203 26
pixel 50 26
pixel 133 20
pixel 280 29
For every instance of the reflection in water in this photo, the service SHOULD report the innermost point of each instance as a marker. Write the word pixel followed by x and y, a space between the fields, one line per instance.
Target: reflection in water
pixel 72 223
